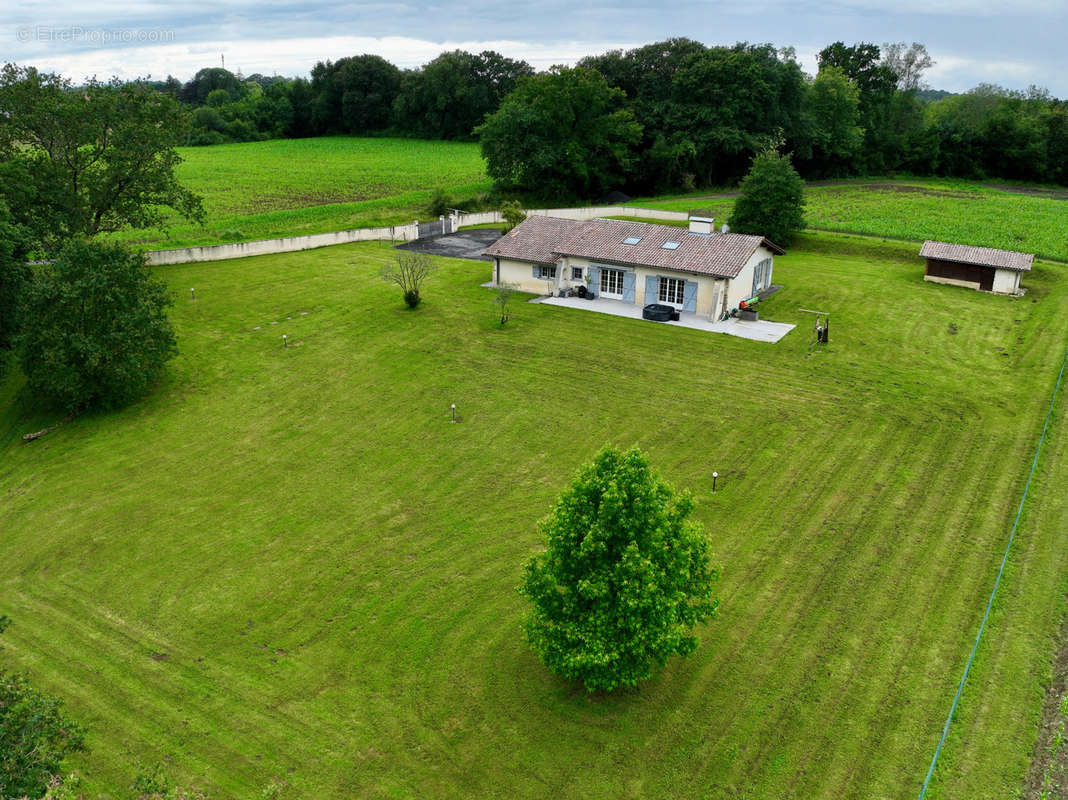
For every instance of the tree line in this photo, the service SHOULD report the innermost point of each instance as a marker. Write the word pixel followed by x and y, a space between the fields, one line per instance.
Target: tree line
pixel 359 95
pixel 667 116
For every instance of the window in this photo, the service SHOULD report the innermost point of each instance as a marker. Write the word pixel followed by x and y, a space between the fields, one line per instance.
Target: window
pixel 762 275
pixel 576 273
pixel 547 273
pixel 671 245
pixel 632 240
pixel 672 290
pixel 612 282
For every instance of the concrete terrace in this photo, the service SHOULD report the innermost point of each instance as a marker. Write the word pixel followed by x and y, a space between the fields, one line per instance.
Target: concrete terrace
pixel 760 331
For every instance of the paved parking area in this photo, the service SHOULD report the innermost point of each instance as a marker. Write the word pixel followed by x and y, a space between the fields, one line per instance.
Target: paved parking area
pixel 464 244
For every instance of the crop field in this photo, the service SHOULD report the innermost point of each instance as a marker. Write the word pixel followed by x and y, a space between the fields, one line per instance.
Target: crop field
pixel 287 564
pixel 289 187
pixel 954 211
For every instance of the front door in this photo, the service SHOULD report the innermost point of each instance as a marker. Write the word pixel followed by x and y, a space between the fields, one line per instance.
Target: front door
pixel 612 283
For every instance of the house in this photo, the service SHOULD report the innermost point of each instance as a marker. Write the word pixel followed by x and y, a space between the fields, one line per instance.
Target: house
pixel 697 271
pixel 982 268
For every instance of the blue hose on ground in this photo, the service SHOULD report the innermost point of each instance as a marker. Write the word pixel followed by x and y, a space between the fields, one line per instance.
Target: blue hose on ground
pixel 997 582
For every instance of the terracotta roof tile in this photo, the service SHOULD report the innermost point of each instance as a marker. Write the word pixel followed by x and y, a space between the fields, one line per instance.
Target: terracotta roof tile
pixel 984 256
pixel 542 239
pixel 533 239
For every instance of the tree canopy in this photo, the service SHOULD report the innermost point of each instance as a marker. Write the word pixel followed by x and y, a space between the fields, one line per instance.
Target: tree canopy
pixel 91 159
pixel 452 94
pixel 834 112
pixel 703 111
pixel 624 579
pixel 355 94
pixel 14 274
pixel 93 330
pixel 561 133
pixel 771 202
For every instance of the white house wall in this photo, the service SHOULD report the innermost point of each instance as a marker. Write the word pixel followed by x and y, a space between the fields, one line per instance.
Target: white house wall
pixel 710 289
pixel 521 275
pixel 741 287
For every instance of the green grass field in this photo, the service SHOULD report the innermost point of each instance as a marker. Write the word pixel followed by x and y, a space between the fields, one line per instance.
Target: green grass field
pixel 965 212
pixel 290 187
pixel 288 564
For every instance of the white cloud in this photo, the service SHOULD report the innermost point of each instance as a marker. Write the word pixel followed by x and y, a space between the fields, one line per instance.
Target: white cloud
pixel 958 74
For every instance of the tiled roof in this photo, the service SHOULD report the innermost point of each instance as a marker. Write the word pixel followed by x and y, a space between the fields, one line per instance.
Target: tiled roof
pixel 542 239
pixel 984 256
pixel 533 239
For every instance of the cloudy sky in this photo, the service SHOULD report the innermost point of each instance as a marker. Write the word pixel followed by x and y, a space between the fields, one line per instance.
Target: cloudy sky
pixel 1014 43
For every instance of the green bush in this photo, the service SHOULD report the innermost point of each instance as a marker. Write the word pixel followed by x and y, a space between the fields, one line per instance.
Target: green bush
pixel 94 331
pixel 35 736
pixel 440 203
pixel 772 202
pixel 625 578
pixel 513 214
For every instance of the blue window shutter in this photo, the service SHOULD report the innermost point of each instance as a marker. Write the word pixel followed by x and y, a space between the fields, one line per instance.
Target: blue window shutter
pixel 756 277
pixel 595 280
pixel 537 271
pixel 767 273
pixel 629 279
pixel 689 297
pixel 651 295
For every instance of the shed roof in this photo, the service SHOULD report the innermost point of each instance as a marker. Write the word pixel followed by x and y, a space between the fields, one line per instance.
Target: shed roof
pixel 543 239
pixel 982 256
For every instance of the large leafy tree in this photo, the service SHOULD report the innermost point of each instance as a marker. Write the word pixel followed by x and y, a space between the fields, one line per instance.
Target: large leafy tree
pixel 908 63
pixel 212 79
pixel 703 110
pixel 35 736
pixel 14 274
pixel 94 331
pixel 624 579
pixel 452 94
pixel 876 82
pixel 771 202
pixel 560 133
pixel 833 109
pixel 354 94
pixel 647 76
pixel 733 102
pixel 92 159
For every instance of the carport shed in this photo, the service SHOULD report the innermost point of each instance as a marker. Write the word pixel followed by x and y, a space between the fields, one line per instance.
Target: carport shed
pixel 982 268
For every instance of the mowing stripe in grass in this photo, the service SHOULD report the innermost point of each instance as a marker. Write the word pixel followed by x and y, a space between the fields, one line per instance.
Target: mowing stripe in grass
pixel 997 581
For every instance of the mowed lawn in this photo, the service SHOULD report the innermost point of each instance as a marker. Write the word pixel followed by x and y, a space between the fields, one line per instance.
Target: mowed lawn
pixel 288 564
pixel 291 187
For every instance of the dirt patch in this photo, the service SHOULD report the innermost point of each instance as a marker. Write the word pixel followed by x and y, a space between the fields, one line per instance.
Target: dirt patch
pixel 161 657
pixel 898 188
pixel 1048 777
pixel 1035 191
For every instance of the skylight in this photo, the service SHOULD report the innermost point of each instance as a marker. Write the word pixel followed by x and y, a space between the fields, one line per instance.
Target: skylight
pixel 632 240
pixel 671 245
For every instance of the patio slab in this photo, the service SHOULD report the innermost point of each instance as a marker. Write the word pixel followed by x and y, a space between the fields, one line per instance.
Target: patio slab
pixel 760 331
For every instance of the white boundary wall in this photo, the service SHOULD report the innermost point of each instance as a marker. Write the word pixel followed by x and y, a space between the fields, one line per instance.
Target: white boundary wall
pixel 404 233
pixel 219 252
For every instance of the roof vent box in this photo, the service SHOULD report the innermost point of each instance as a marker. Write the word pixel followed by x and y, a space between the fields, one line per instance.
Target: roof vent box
pixel 702 225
